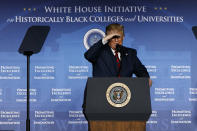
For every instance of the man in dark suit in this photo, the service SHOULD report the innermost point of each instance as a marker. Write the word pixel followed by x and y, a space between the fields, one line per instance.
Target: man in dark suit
pixel 110 59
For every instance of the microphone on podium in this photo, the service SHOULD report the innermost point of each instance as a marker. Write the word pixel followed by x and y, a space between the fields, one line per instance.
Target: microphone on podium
pixel 118 47
pixel 194 29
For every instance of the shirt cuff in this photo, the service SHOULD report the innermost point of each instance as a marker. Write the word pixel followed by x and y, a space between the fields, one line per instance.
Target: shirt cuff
pixel 104 42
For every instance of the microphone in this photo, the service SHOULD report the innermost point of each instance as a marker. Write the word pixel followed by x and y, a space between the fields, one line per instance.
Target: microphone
pixel 194 29
pixel 118 47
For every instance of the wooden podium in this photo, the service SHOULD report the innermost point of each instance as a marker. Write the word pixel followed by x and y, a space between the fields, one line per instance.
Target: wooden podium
pixel 117 125
pixel 103 115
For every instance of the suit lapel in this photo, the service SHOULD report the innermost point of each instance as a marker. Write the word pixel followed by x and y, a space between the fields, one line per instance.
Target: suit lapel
pixel 111 61
pixel 124 55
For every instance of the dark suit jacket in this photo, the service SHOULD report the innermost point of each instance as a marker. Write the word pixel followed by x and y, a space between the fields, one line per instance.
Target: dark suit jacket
pixel 104 62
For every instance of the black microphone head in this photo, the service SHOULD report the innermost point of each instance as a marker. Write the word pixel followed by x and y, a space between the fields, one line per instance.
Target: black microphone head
pixel 118 47
pixel 194 29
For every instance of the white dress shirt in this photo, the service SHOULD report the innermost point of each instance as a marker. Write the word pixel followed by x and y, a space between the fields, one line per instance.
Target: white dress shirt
pixel 113 51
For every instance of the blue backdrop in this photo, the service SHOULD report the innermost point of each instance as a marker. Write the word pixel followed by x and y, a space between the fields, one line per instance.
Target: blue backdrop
pixel 160 30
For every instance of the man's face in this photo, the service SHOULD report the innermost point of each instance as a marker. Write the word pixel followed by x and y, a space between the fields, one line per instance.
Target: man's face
pixel 117 39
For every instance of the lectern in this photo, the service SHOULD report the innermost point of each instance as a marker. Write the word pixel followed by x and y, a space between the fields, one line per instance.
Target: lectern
pixel 117 104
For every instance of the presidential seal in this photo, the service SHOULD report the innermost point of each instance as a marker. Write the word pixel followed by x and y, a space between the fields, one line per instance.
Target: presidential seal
pixel 92 36
pixel 118 94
